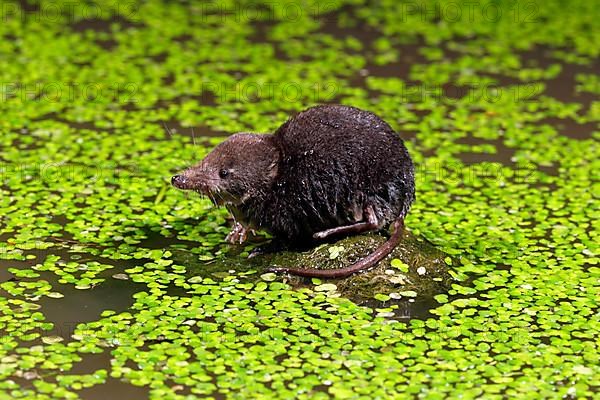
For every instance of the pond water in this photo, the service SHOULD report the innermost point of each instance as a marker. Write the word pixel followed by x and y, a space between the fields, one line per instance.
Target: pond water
pixel 112 283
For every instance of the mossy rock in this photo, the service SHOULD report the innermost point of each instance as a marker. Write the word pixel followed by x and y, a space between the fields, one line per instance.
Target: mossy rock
pixel 415 265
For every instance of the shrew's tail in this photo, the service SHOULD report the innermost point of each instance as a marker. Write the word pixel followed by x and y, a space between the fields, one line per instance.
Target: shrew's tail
pixel 365 263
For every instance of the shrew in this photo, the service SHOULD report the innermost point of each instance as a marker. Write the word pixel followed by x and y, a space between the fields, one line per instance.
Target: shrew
pixel 330 170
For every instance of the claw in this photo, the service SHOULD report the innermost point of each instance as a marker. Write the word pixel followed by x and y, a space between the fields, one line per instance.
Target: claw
pixel 238 234
pixel 319 235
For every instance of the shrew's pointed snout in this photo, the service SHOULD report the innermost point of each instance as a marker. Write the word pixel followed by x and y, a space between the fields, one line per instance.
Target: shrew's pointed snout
pixel 179 181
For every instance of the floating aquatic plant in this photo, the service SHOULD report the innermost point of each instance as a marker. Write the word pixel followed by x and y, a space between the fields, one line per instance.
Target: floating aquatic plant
pixel 107 275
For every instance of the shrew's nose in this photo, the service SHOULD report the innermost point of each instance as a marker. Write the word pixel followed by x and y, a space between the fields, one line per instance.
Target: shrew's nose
pixel 178 181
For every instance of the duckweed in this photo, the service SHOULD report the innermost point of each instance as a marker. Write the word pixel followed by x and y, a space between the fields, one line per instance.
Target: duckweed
pixel 109 279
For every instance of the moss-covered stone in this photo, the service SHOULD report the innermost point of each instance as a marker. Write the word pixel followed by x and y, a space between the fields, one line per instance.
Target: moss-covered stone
pixel 426 271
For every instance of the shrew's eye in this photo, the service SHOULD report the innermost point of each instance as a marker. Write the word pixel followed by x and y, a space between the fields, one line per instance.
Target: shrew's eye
pixel 223 173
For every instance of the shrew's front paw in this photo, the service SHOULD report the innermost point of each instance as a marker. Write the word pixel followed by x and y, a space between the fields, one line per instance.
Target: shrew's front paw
pixel 238 234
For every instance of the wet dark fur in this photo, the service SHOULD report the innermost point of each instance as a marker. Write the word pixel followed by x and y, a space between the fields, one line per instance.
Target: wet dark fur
pixel 334 160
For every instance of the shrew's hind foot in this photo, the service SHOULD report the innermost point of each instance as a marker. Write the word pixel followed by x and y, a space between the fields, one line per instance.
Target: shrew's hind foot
pixel 371 224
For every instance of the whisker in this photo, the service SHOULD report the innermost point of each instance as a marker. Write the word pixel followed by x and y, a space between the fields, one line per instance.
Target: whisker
pixel 167 129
